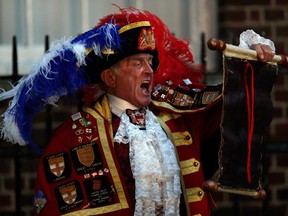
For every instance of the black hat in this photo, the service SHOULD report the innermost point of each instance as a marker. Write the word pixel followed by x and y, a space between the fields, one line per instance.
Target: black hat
pixel 136 37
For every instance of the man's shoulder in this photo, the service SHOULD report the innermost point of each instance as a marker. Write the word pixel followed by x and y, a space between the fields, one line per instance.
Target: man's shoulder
pixel 185 99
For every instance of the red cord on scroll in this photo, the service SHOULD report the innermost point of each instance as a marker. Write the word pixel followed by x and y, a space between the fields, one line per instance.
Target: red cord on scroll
pixel 250 114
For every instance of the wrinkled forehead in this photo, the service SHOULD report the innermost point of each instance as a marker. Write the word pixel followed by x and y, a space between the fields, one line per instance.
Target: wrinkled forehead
pixel 137 57
pixel 140 56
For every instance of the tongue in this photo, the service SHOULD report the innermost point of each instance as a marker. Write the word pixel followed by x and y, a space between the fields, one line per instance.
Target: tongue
pixel 145 87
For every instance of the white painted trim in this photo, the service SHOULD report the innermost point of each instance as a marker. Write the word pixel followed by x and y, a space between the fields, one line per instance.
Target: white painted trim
pixel 29 22
pixel 85 15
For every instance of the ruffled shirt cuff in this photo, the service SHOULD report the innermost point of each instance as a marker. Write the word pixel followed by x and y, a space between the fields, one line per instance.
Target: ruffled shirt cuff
pixel 249 37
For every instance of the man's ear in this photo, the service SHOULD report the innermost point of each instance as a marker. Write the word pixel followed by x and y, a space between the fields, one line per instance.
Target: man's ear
pixel 109 77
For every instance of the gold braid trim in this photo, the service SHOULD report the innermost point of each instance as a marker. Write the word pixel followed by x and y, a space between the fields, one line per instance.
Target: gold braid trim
pixel 133 25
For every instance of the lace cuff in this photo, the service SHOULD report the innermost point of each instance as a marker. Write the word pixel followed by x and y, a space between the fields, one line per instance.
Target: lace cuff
pixel 249 37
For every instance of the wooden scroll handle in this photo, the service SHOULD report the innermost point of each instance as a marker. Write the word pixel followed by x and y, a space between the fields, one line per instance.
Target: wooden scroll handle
pixel 212 186
pixel 235 51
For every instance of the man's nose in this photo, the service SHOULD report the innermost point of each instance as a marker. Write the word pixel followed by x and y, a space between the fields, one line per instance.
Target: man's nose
pixel 148 67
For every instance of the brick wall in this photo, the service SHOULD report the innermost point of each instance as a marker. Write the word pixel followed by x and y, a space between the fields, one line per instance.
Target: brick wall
pixel 267 17
pixel 270 19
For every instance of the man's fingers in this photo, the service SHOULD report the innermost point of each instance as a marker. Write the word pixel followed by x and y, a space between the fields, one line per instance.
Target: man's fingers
pixel 264 52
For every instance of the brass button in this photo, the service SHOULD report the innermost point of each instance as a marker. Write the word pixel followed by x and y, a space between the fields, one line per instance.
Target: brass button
pixel 200 193
pixel 187 137
pixel 195 164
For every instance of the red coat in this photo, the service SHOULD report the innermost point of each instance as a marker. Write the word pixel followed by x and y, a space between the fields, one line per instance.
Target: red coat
pixel 83 173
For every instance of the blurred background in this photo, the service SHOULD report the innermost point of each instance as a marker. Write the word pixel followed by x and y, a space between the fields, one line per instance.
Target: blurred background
pixel 29 27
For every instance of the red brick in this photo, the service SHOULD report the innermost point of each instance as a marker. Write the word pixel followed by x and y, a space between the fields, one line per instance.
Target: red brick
pixel 283 69
pixel 4 104
pixel 26 199
pixel 282 160
pixel 5 200
pixel 233 16
pixel 280 80
pixel 277 112
pixel 254 15
pixel 282 31
pixel 281 130
pixel 39 137
pixel 281 2
pixel 40 117
pixel 252 210
pixel 62 116
pixel 9 184
pixel 280 47
pixel 274 15
pixel 282 194
pixel 277 210
pixel 276 178
pixel 29 164
pixel 281 95
pixel 217 197
pixel 224 211
pixel 5 166
pixel 32 183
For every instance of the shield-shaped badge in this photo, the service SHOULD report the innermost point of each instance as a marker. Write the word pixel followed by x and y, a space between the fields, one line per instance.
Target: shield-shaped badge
pixel 57 165
pixel 86 155
pixel 69 194
pixel 181 99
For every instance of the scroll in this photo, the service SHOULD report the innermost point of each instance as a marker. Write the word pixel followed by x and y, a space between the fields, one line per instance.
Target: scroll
pixel 247 112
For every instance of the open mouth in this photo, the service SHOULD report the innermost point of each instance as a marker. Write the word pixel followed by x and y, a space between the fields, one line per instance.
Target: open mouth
pixel 145 86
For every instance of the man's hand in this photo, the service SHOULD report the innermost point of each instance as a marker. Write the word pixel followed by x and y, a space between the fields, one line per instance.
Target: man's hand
pixel 264 52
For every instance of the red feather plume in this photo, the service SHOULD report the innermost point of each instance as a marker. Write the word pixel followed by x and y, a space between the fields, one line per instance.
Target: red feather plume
pixel 175 55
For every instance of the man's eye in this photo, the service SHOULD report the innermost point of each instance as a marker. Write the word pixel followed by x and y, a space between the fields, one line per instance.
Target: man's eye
pixel 150 62
pixel 138 63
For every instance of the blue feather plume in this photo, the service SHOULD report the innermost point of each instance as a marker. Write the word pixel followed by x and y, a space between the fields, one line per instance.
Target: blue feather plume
pixel 58 73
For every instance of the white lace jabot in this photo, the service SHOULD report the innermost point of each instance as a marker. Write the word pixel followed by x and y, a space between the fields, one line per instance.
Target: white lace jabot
pixel 154 166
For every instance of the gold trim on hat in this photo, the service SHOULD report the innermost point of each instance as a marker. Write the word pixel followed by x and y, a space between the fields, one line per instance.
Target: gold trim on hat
pixel 127 27
pixel 133 25
pixel 106 51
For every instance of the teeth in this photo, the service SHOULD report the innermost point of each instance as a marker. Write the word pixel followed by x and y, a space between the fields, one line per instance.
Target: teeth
pixel 146 82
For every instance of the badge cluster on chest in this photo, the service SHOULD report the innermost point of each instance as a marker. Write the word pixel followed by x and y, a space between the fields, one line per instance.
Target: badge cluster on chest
pixel 82 127
pixel 79 172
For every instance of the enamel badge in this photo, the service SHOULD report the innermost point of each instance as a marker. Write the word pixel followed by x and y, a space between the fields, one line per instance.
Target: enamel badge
pixel 69 196
pixel 146 40
pixel 57 167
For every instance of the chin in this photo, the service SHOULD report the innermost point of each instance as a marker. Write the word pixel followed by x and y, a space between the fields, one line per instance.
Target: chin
pixel 144 103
